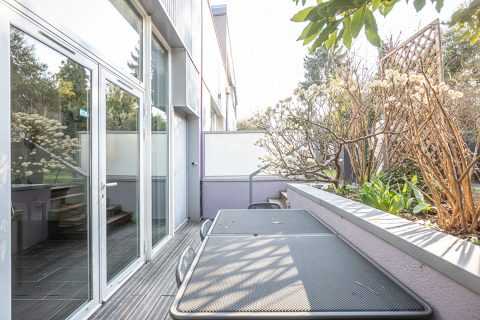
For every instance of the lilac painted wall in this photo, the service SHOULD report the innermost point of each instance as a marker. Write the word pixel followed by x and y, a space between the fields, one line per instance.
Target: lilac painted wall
pixel 228 194
pixel 449 299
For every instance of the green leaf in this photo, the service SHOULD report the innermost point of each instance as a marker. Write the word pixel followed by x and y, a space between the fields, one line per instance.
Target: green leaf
pixel 421 207
pixel 324 35
pixel 309 39
pixel 418 194
pixel 347 33
pixel 301 16
pixel 311 29
pixel 371 30
pixel 419 4
pixel 474 38
pixel 331 40
pixel 386 8
pixel 396 206
pixel 414 179
pixel 409 203
pixel 439 5
pixel 375 4
pixel 342 4
pixel 358 20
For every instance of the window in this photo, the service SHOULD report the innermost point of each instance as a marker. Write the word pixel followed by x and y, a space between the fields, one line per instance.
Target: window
pixel 159 145
pixel 112 28
pixel 50 173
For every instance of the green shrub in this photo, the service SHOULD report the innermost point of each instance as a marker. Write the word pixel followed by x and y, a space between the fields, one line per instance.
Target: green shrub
pixel 405 170
pixel 382 196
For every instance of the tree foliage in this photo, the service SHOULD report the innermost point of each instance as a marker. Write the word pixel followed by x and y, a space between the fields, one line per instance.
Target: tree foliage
pixel 462 73
pixel 321 66
pixel 332 21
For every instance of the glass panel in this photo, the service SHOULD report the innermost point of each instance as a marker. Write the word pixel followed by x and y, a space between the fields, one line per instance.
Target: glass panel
pixel 159 142
pixel 51 158
pixel 122 159
pixel 114 28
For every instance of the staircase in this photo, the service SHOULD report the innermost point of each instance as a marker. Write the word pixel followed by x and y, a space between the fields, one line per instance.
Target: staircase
pixel 68 211
pixel 281 200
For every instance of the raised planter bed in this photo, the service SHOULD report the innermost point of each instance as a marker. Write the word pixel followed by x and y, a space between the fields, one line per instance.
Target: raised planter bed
pixel 442 269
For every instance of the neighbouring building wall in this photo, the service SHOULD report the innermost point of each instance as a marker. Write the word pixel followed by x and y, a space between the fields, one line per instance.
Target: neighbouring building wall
pixel 220 17
pixel 230 157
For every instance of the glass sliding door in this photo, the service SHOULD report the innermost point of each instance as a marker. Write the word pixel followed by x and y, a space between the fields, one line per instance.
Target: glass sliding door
pixel 121 188
pixel 159 141
pixel 51 152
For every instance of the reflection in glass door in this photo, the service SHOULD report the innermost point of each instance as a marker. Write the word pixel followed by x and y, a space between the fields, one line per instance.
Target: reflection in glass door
pixel 51 180
pixel 159 142
pixel 121 186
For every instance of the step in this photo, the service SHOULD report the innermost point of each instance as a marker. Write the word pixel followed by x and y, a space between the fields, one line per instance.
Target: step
pixel 283 195
pixel 64 208
pixel 119 218
pixel 277 201
pixel 68 196
pixel 66 187
pixel 113 209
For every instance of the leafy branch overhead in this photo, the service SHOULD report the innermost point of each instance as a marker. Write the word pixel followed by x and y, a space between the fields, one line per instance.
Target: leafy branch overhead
pixel 332 21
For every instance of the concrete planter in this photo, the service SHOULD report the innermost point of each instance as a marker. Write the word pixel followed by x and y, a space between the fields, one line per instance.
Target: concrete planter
pixel 440 268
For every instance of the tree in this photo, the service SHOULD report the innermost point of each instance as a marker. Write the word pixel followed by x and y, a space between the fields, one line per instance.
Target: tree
pixel 122 109
pixel 321 66
pixel 331 21
pixel 306 135
pixel 73 88
pixel 33 87
pixel 462 73
pixel 248 124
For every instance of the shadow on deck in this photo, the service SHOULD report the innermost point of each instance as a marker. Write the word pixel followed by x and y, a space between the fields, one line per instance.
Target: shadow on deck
pixel 149 293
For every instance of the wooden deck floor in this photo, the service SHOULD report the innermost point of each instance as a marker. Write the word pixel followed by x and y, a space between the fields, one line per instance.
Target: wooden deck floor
pixel 150 292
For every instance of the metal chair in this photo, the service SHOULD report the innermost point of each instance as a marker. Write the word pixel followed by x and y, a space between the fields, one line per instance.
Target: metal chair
pixel 184 263
pixel 264 205
pixel 205 228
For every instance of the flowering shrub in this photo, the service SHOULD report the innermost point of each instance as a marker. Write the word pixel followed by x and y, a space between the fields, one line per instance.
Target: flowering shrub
pixel 34 132
pixel 429 135
pixel 305 136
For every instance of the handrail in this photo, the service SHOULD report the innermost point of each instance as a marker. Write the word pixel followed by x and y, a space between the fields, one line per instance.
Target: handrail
pixel 66 163
pixel 250 182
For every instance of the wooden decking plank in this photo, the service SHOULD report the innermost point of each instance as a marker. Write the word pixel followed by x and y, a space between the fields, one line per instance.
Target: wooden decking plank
pixel 144 277
pixel 149 293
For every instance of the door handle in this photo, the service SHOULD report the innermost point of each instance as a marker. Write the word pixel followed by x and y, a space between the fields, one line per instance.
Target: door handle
pixel 110 184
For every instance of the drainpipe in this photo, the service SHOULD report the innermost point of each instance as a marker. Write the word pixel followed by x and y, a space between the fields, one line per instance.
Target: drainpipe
pixel 202 143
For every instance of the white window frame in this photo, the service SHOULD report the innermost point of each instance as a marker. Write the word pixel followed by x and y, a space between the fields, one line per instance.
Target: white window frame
pixel 11 17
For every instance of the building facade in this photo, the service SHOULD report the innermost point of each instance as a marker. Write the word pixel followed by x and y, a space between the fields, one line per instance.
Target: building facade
pixel 103 106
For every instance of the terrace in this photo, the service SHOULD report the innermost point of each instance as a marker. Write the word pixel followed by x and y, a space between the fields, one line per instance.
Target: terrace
pixel 105 178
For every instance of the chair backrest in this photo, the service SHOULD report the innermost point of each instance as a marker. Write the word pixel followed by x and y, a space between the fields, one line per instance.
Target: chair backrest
pixel 264 205
pixel 184 263
pixel 205 228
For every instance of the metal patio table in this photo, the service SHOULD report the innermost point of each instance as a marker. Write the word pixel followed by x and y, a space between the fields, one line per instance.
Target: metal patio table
pixel 266 221
pixel 290 276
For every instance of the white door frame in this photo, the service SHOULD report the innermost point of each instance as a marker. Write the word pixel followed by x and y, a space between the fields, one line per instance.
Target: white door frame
pixel 108 288
pixel 12 17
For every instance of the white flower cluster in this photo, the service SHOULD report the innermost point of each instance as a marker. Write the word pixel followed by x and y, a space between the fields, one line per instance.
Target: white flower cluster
pixel 32 130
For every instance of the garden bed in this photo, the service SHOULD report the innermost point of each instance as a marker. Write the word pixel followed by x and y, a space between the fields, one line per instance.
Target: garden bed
pixel 427 219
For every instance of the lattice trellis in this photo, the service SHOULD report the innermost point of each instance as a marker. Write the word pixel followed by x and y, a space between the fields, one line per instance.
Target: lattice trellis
pixel 421 52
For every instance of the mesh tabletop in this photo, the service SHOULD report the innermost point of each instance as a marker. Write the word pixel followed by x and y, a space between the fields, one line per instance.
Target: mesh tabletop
pixel 266 222
pixel 313 275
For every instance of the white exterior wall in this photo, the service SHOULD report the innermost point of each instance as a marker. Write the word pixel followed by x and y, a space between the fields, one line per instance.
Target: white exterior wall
pixel 179 25
pixel 214 74
pixel 229 154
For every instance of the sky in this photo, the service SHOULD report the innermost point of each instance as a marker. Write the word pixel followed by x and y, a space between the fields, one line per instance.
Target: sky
pixel 268 60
